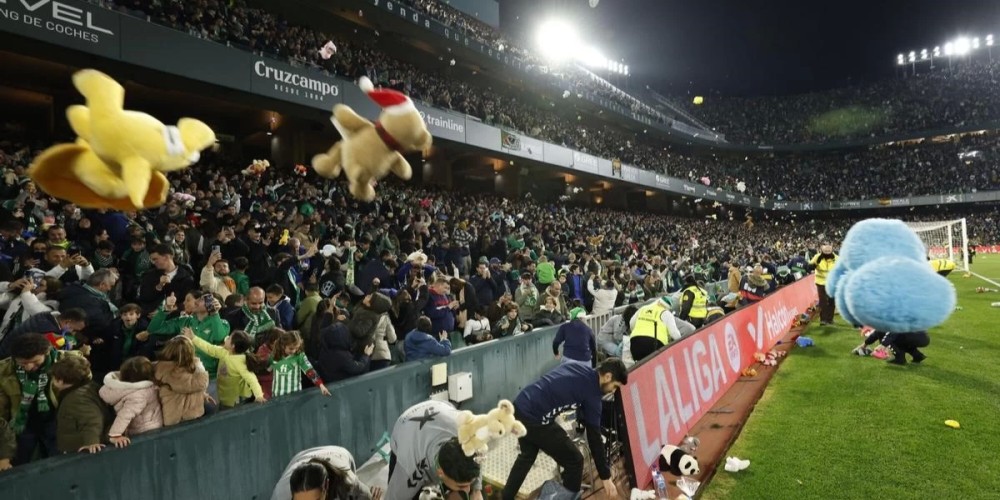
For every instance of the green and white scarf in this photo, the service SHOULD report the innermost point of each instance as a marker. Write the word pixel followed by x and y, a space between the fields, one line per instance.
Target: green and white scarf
pixel 103 296
pixel 34 387
pixel 259 321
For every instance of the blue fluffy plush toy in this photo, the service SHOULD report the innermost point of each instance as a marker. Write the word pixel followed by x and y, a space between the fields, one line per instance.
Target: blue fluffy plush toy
pixel 882 280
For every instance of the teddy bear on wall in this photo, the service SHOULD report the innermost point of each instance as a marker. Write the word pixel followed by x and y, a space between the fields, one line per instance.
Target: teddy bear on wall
pixel 882 280
pixel 368 151
pixel 476 431
pixel 120 156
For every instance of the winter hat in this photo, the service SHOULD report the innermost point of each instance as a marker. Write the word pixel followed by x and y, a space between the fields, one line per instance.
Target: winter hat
pixel 668 301
pixel 576 312
pixel 391 101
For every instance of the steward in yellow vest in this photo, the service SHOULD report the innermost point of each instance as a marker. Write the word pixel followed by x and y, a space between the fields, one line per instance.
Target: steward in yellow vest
pixel 650 332
pixel 694 303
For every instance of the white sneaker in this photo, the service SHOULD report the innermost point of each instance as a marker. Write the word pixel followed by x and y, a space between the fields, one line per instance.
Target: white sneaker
pixel 734 464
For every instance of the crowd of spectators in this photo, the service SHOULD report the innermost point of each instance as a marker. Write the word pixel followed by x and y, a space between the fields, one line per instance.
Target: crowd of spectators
pixel 871 173
pixel 959 94
pixel 950 96
pixel 964 164
pixel 337 287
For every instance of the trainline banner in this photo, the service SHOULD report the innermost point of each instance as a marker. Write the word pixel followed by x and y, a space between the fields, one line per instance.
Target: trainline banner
pixel 668 394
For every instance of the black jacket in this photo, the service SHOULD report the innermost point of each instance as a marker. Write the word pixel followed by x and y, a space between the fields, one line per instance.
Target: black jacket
pixel 150 298
pixel 99 313
pixel 336 360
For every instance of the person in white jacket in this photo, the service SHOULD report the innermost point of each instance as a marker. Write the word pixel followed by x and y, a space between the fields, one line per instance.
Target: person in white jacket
pixel 62 263
pixel 22 299
pixel 604 298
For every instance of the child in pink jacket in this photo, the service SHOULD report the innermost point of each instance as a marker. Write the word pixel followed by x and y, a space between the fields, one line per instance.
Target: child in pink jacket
pixel 133 393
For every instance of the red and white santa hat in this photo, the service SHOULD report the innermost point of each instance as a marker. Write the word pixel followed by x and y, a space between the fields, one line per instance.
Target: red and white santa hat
pixel 391 101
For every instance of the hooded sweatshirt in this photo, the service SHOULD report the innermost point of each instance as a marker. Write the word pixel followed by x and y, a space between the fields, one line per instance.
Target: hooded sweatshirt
pixel 137 405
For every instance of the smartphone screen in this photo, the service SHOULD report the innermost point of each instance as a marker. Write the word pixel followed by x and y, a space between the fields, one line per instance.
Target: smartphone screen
pixel 216 249
pixel 209 302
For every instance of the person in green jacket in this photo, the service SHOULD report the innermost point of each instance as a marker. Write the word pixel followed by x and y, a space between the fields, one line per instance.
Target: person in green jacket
pixel 545 272
pixel 239 275
pixel 204 321
pixel 307 308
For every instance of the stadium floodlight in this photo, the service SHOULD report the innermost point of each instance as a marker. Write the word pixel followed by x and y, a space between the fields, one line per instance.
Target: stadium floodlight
pixel 923 54
pixel 937 51
pixel 989 40
pixel 913 56
pixel 975 43
pixel 901 59
pixel 949 49
pixel 626 70
pixel 557 40
pixel 962 46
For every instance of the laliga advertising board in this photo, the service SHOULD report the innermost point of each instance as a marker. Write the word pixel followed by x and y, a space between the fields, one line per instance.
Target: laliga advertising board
pixel 668 394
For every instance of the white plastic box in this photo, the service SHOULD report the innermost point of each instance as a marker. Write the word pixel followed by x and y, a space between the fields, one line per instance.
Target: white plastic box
pixel 460 387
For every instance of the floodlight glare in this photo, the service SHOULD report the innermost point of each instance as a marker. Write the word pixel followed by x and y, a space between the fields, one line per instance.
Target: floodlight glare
pixel 962 46
pixel 557 40
pixel 949 49
pixel 913 56
pixel 626 70
pixel 989 40
pixel 900 60
pixel 923 54
pixel 592 57
pixel 937 51
pixel 975 43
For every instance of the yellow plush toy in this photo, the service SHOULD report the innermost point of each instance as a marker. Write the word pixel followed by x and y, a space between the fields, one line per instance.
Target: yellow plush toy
pixel 368 151
pixel 476 431
pixel 120 156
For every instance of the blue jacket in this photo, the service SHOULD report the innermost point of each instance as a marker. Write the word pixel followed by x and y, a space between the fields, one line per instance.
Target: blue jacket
pixel 286 313
pixel 579 339
pixel 421 345
pixel 442 317
pixel 567 386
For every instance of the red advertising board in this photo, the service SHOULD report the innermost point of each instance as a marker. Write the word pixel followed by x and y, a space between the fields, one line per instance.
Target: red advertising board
pixel 669 393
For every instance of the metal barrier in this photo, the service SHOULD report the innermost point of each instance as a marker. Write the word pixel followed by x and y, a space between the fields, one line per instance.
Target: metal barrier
pixel 239 454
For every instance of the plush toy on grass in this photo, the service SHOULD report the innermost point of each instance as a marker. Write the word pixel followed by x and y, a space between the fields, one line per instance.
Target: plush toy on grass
pixel 120 156
pixel 882 280
pixel 368 151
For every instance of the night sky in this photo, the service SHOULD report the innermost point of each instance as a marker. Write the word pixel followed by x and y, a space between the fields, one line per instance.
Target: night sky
pixel 755 47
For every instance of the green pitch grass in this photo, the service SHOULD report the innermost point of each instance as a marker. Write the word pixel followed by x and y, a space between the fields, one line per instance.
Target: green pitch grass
pixel 834 425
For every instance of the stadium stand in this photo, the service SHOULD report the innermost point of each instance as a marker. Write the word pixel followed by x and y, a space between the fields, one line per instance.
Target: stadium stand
pixel 297 253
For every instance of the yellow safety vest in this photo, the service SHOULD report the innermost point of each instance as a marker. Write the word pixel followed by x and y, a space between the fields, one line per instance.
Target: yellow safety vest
pixel 699 307
pixel 942 265
pixel 823 267
pixel 649 324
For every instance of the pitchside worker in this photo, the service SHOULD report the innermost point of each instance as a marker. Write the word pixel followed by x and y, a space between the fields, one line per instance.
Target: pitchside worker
pixel 568 386
pixel 823 262
pixel 653 326
pixel 694 302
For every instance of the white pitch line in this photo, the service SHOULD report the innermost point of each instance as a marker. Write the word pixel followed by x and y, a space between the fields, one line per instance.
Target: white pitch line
pixel 984 278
